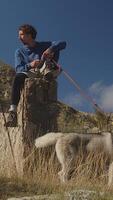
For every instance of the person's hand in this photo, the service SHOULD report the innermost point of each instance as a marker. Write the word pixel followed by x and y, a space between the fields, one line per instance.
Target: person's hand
pixel 35 63
pixel 48 54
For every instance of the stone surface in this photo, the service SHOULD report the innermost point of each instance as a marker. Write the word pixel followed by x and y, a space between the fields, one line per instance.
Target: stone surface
pixel 39 112
pixel 22 137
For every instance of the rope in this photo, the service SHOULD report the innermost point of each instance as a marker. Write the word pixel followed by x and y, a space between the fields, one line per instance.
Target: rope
pixel 94 104
pixel 81 91
pixel 11 147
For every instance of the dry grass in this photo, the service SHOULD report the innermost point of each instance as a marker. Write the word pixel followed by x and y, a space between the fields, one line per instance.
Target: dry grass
pixel 89 173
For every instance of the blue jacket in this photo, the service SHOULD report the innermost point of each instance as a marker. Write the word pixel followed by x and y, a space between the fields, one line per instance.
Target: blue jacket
pixel 25 55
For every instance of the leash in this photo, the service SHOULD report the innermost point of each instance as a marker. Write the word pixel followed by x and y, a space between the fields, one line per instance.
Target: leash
pixel 9 138
pixel 81 91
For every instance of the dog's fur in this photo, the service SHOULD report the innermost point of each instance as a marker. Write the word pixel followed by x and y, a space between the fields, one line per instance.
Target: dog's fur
pixel 67 146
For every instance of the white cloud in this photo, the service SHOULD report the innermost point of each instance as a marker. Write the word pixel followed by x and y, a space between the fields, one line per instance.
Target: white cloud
pixel 102 94
pixel 106 98
pixel 96 88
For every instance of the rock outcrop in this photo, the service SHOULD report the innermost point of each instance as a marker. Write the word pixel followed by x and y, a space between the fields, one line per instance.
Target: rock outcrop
pixel 39 112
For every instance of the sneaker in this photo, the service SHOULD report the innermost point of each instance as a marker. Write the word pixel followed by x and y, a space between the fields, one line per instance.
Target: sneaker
pixel 11 119
pixel 13 108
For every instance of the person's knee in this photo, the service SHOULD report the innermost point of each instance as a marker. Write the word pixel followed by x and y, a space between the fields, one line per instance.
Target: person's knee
pixel 20 78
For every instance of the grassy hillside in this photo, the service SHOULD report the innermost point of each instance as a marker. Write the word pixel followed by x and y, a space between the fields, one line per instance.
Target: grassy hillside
pixel 88 176
pixel 6 78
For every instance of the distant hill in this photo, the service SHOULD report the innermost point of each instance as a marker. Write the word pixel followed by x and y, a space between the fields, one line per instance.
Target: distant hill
pixel 6 77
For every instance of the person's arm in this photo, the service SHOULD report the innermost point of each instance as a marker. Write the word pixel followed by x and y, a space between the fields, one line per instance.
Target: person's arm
pixel 57 46
pixel 54 48
pixel 22 65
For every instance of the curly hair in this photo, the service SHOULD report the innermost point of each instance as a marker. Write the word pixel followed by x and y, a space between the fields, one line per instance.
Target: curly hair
pixel 28 29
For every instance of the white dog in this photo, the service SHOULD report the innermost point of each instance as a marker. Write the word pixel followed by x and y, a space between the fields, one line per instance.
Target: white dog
pixel 67 145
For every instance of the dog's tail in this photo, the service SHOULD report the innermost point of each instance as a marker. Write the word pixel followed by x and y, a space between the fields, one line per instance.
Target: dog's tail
pixel 47 140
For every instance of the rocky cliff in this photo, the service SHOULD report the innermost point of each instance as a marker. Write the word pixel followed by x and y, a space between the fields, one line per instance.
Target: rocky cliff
pixel 40 112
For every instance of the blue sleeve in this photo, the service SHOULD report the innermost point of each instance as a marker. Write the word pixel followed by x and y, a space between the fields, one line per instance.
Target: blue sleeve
pixel 58 45
pixel 20 64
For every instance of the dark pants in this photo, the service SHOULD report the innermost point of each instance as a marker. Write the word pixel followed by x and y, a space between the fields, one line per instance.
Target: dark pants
pixel 18 84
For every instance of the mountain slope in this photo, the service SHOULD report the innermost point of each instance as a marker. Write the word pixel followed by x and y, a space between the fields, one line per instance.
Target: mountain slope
pixel 6 77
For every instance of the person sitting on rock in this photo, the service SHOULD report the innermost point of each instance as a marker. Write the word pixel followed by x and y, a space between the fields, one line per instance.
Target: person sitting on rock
pixel 28 58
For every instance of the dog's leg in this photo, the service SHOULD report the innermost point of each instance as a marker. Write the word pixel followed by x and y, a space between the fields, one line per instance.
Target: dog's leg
pixel 65 157
pixel 60 156
pixel 67 168
pixel 61 175
pixel 64 174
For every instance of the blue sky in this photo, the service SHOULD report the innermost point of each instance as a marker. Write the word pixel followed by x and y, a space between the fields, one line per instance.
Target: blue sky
pixel 86 26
